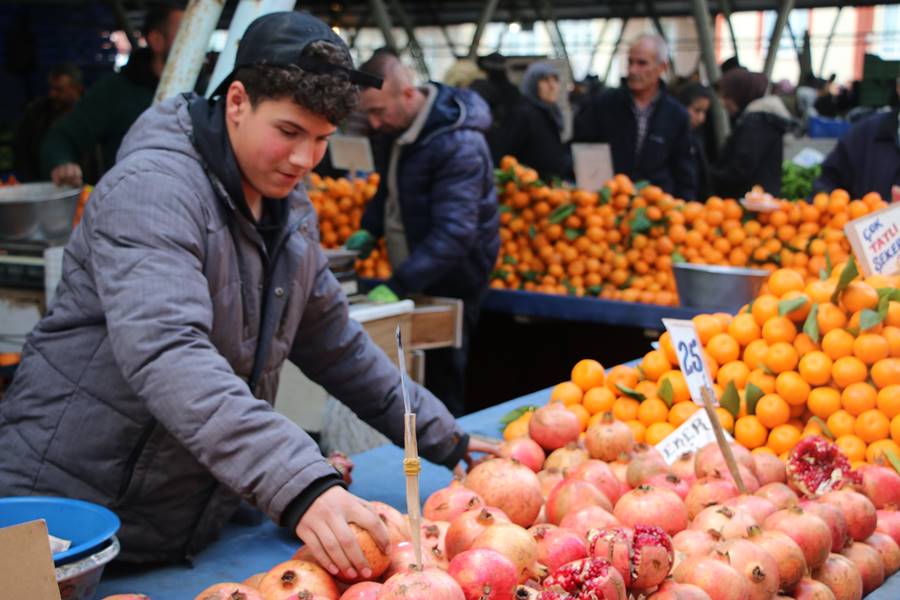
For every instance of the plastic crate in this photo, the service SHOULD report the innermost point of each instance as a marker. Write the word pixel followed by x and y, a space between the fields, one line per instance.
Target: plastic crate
pixel 820 127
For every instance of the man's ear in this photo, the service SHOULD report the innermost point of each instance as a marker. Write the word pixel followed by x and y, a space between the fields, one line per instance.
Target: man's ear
pixel 237 102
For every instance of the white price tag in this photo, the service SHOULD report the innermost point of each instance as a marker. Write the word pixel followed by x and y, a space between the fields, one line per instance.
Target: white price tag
pixel 690 436
pixel 690 356
pixel 351 152
pixel 875 240
pixel 592 164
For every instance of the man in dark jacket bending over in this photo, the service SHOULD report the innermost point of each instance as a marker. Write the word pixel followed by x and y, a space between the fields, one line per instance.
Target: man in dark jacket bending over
pixel 194 274
pixel 436 207
pixel 648 131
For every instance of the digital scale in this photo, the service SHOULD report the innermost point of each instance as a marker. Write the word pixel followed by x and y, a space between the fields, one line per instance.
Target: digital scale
pixel 22 264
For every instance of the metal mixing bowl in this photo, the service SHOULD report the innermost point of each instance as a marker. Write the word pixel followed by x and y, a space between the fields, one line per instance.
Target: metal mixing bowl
pixel 717 288
pixel 37 212
pixel 78 580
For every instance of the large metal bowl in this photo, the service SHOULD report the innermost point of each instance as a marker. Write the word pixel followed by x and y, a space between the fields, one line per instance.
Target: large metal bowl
pixel 79 580
pixel 37 212
pixel 717 288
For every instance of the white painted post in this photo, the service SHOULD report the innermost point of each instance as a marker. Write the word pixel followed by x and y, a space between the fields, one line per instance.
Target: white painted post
pixel 189 50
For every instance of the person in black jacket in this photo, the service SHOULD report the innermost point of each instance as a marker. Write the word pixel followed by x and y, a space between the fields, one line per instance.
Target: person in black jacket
pixel 531 133
pixel 649 131
pixel 755 149
pixel 695 98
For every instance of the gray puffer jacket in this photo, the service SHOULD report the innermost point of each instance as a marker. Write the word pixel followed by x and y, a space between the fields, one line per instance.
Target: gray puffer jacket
pixel 132 392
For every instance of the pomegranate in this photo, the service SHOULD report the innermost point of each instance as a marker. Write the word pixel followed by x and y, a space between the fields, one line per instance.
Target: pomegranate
pixel 641 469
pixel 889 551
pixel 889 522
pixel 709 459
pixel 516 544
pixel 670 590
pixel 254 580
pixel 769 469
pixel 754 563
pixel 403 557
pixel 619 467
pixel 692 542
pixel 779 494
pixel 833 517
pixel 585 578
pixel 220 591
pixel 841 576
pixel 810 589
pixel 727 522
pixel 642 450
pixel 397 524
pixel 858 510
pixel 601 475
pixel 433 537
pixel 684 467
pixel 510 486
pixel 526 451
pixel 809 531
pixel 568 457
pixel 713 576
pixel 651 505
pixel 448 503
pixel 557 546
pixel 787 554
pixel 572 494
pixel 298 577
pixel 584 519
pixel 707 491
pixel 751 483
pixel 468 526
pixel 816 466
pixel 553 426
pixel 758 507
pixel 549 478
pixel 608 439
pixel 643 556
pixel 484 575
pixel 364 590
pixel 869 564
pixel 880 484
pixel 429 583
pixel 672 482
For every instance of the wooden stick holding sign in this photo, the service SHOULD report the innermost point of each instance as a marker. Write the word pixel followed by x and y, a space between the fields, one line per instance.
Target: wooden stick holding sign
pixel 411 463
pixel 709 403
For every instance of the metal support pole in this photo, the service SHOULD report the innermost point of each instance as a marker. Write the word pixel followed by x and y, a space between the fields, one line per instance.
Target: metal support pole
pixel 596 45
pixel 783 11
pixel 654 16
pixel 244 14
pixel 708 52
pixel 615 48
pixel 797 48
pixel 556 34
pixel 487 13
pixel 384 24
pixel 834 24
pixel 412 43
pixel 363 22
pixel 189 49
pixel 726 12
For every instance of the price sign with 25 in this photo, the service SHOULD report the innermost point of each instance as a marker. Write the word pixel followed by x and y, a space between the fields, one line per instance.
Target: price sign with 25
pixel 690 356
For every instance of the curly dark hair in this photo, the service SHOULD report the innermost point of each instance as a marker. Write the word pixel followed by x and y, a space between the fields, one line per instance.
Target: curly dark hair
pixel 331 95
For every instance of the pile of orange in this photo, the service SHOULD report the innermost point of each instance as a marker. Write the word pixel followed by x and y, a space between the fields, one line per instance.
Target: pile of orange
pixel 620 243
pixel 339 204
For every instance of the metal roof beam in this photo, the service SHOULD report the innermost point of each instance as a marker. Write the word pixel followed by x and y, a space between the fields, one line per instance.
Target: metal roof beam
pixel 487 13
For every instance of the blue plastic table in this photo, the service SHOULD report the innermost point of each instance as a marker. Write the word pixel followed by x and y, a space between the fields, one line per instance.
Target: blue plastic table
pixel 243 551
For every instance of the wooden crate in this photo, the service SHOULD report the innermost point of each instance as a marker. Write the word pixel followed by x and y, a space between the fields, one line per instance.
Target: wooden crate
pixel 436 323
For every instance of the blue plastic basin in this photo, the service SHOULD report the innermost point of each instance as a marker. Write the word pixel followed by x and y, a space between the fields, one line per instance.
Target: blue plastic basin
pixel 85 524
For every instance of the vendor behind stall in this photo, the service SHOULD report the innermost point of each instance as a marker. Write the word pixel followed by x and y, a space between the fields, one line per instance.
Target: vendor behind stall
pixel 195 273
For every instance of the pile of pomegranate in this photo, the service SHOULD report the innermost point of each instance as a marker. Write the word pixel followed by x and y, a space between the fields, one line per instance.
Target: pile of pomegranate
pixel 610 520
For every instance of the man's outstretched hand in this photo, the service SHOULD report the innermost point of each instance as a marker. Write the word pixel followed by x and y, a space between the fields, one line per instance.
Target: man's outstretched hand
pixel 476 445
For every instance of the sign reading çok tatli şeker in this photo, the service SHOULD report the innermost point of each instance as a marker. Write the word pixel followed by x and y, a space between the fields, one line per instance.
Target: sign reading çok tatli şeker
pixel 875 239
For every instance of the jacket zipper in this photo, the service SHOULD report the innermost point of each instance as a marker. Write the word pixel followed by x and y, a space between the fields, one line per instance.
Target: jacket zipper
pixel 133 458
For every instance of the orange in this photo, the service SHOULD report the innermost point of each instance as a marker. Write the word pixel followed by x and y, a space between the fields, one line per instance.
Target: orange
pixel 598 400
pixel 892 335
pixel 772 410
pixel 518 427
pixel 820 291
pixel 723 348
pixel 811 428
pixel 824 402
pixel 785 280
pixel 588 373
pixel 875 451
pixel 657 432
pixel 582 413
pixel 638 429
pixel 665 344
pixel 781 357
pixel 680 391
pixel 841 423
pixel 837 343
pixel 893 316
pixel 744 329
pixel 858 397
pixel 779 329
pixel 872 426
pixel 886 372
pixel 797 411
pixel 895 429
pixel 852 446
pixel 847 370
pixel 830 317
pixel 623 374
pixel 798 315
pixel 736 371
pixel 792 388
pixel 567 393
pixel 749 432
pixel 652 410
pixel 871 347
pixel 762 380
pixel 654 364
pixel 855 324
pixel 763 450
pixel 815 368
pixel 764 308
pixel 783 438
pixel 679 413
pixel 707 326
pixel 755 353
pixel 858 296
pixel 803 344
pixel 725 419
pixel 625 408
pixel 888 400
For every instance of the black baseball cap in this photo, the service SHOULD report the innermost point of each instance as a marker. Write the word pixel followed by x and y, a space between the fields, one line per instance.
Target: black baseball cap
pixel 278 39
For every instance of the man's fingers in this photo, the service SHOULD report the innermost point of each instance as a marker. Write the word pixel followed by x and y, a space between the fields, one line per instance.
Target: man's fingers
pixel 334 549
pixel 369 520
pixel 350 545
pixel 315 546
pixel 458 471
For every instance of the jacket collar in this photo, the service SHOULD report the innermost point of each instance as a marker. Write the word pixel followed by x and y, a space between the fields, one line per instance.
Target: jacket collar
pixel 415 129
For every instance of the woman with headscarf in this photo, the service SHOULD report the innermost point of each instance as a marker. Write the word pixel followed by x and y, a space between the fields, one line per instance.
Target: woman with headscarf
pixel 695 98
pixel 755 149
pixel 532 131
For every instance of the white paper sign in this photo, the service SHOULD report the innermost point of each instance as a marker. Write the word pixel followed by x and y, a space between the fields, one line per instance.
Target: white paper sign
pixel 808 157
pixel 875 239
pixel 690 356
pixel 690 436
pixel 351 152
pixel 593 165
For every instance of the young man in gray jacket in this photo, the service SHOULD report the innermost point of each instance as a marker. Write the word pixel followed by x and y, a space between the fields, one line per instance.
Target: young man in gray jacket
pixel 195 273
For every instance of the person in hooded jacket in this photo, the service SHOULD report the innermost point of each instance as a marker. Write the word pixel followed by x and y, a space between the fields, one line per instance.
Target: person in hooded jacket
pixel 754 151
pixel 532 131
pixel 436 206
pixel 695 98
pixel 195 272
